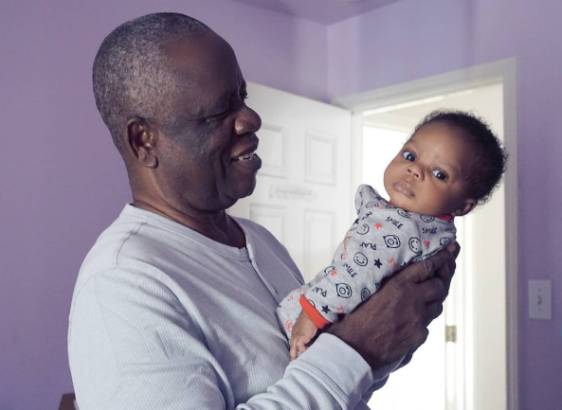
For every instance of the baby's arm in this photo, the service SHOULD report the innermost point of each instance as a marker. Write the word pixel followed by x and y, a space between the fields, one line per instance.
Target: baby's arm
pixel 298 326
pixel 304 329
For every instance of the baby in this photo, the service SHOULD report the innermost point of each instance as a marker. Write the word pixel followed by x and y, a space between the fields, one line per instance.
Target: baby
pixel 452 163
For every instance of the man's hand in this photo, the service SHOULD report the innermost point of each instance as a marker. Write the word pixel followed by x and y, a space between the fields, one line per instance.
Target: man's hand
pixel 393 322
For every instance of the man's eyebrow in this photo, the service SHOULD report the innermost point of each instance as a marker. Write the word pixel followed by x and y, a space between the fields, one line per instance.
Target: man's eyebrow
pixel 231 93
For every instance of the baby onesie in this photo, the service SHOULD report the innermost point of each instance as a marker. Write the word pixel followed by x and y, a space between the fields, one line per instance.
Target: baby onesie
pixel 382 240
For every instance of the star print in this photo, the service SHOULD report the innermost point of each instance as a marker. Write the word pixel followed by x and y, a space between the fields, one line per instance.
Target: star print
pixel 326 309
pixel 378 226
pixel 426 243
pixel 378 263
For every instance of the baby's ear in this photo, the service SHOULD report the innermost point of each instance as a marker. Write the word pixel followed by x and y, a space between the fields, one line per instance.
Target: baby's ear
pixel 465 208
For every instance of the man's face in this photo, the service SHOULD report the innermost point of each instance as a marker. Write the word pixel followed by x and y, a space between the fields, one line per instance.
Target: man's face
pixel 207 159
pixel 428 176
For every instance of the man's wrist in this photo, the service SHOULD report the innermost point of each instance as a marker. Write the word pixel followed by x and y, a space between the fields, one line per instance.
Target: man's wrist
pixel 344 353
pixel 335 358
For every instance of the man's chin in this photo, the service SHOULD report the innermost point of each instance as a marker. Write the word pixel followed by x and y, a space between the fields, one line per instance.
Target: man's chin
pixel 240 192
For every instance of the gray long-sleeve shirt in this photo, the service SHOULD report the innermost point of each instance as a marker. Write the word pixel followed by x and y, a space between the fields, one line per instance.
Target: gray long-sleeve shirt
pixel 165 318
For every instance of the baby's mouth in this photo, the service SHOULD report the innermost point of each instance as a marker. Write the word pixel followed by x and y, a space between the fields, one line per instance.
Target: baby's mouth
pixel 404 188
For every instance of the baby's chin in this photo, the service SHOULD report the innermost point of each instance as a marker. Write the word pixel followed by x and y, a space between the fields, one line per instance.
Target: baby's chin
pixel 401 203
pixel 410 206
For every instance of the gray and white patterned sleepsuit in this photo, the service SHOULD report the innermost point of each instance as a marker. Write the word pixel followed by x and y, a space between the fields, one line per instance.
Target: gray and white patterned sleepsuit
pixel 380 242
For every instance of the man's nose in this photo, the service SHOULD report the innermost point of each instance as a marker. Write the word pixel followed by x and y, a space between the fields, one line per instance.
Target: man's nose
pixel 247 121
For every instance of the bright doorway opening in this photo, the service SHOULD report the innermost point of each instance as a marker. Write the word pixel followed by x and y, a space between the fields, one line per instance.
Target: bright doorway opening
pixel 470 359
pixel 437 378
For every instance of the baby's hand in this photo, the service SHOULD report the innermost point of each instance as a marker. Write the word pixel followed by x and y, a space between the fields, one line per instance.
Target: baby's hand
pixel 303 332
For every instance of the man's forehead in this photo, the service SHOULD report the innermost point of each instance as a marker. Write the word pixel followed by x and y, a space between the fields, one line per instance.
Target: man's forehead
pixel 206 68
pixel 199 53
pixel 202 59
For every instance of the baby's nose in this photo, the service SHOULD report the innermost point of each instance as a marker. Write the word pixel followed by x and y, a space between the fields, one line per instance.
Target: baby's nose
pixel 413 172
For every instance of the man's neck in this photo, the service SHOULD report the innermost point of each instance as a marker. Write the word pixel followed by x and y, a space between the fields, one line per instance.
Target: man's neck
pixel 218 226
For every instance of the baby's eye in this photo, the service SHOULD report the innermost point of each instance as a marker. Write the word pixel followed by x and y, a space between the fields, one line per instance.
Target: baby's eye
pixel 439 174
pixel 408 156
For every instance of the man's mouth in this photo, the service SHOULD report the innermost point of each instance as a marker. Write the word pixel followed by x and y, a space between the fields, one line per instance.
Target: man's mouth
pixel 251 156
pixel 404 188
pixel 248 160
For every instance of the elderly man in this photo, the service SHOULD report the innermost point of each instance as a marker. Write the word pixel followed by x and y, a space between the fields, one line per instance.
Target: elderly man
pixel 174 306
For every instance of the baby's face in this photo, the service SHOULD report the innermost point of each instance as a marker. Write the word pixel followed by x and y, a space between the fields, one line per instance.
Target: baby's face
pixel 429 174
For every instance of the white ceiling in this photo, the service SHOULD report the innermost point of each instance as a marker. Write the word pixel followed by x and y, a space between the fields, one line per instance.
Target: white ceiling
pixel 322 11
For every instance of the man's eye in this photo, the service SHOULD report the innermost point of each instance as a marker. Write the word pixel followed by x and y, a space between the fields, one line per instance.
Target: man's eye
pixel 214 118
pixel 408 156
pixel 218 116
pixel 439 174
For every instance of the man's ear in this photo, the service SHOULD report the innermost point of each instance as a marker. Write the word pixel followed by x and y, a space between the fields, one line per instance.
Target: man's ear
pixel 141 140
pixel 467 206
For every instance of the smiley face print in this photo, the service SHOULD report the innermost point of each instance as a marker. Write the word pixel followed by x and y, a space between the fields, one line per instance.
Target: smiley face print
pixel 363 229
pixel 329 270
pixel 403 213
pixel 427 218
pixel 360 259
pixel 415 245
pixel 365 293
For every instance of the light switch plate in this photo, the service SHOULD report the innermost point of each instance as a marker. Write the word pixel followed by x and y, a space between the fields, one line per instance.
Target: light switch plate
pixel 540 299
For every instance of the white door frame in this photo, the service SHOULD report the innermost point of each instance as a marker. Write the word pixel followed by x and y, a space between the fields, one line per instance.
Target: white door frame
pixel 505 72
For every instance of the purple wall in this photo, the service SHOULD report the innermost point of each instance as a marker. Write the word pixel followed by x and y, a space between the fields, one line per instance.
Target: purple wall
pixel 62 180
pixel 55 198
pixel 412 39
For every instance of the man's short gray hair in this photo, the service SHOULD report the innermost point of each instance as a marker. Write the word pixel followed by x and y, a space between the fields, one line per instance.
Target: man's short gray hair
pixel 130 74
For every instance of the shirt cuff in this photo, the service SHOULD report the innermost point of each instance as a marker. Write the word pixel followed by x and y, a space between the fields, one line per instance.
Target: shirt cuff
pixel 349 375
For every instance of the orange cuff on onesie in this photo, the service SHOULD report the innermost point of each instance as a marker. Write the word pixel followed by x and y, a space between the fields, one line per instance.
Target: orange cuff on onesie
pixel 312 313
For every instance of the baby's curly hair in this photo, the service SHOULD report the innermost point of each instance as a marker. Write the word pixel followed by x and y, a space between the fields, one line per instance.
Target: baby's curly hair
pixel 490 158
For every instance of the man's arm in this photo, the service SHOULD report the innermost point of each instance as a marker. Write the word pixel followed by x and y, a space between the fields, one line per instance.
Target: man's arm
pixel 132 346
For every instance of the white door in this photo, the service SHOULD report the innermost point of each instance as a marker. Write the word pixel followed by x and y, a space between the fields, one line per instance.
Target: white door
pixel 303 194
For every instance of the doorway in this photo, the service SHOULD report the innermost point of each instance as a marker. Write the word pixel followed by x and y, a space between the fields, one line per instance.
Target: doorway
pixel 470 359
